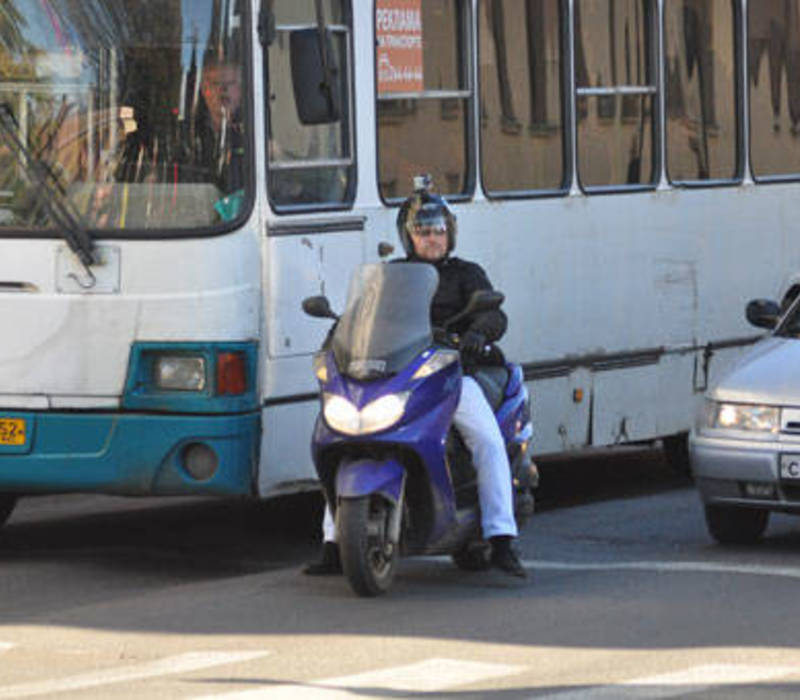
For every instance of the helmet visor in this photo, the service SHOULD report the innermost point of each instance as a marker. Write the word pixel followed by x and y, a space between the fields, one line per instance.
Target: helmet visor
pixel 429 223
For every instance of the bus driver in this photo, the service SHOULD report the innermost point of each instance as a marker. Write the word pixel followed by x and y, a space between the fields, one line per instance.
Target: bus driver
pixel 427 230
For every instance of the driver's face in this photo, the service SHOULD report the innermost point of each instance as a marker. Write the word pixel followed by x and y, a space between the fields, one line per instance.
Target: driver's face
pixel 222 88
pixel 430 242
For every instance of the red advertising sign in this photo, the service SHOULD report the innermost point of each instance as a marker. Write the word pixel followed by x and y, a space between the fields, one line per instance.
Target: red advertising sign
pixel 399 55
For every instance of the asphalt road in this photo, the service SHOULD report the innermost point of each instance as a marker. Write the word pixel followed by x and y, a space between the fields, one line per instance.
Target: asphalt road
pixel 628 598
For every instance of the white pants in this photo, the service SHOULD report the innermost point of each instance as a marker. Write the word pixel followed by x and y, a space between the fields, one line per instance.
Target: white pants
pixel 477 425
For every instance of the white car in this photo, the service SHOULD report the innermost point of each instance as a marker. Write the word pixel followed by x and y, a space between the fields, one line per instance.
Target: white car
pixel 745 446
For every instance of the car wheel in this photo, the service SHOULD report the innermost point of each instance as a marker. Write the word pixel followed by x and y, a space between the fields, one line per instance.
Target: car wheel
pixel 736 525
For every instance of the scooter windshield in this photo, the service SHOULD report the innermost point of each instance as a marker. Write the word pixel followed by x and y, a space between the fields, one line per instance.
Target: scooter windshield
pixel 387 320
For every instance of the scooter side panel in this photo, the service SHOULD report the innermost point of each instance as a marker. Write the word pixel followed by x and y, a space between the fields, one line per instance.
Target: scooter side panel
pixel 365 477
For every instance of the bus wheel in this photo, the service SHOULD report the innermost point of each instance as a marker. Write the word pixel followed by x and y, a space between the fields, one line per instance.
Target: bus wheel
pixel 368 557
pixel 736 525
pixel 7 503
pixel 676 452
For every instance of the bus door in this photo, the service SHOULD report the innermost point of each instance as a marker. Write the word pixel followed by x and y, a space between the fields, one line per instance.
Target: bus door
pixel 313 236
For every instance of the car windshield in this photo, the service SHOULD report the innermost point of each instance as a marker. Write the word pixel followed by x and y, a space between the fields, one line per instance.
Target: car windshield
pixel 135 109
pixel 387 320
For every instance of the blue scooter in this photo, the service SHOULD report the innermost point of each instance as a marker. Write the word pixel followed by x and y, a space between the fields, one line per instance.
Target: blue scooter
pixel 395 472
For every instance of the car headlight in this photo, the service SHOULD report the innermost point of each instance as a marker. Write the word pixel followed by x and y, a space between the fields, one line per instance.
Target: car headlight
pixel 342 415
pixel 439 360
pixel 738 416
pixel 180 372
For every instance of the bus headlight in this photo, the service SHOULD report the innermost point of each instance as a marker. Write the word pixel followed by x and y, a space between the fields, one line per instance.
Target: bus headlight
pixel 180 372
pixel 737 416
pixel 341 415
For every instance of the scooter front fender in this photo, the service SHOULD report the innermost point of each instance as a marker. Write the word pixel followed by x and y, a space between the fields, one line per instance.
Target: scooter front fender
pixel 367 476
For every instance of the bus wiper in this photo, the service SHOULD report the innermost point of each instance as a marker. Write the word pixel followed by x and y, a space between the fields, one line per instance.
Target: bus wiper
pixel 58 205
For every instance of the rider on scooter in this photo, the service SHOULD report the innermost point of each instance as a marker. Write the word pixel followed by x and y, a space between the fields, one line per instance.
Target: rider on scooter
pixel 427 230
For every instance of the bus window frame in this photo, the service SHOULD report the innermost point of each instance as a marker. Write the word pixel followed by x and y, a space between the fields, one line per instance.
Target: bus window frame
pixel 655 88
pixel 222 228
pixel 348 201
pixel 567 137
pixel 776 179
pixel 467 29
pixel 739 90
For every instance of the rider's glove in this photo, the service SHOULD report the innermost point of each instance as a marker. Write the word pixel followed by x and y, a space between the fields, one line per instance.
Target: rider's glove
pixel 473 342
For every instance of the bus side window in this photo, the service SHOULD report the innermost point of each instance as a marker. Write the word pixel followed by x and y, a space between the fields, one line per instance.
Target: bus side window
pixel 424 96
pixel 616 92
pixel 311 163
pixel 521 96
pixel 773 30
pixel 702 130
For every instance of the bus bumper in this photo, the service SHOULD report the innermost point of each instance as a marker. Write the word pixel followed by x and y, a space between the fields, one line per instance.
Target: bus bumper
pixel 131 454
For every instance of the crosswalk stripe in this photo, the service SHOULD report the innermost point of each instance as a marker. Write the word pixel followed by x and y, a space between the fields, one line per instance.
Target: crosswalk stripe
pixel 182 663
pixel 5 646
pixel 696 679
pixel 431 675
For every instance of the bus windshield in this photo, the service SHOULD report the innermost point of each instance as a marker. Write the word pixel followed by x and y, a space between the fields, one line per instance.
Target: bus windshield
pixel 135 110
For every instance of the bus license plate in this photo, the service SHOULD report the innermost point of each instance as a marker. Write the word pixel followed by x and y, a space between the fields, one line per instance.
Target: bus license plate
pixel 12 431
pixel 790 467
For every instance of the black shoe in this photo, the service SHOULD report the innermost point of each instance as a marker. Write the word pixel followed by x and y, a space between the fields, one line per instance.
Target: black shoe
pixel 505 558
pixel 328 564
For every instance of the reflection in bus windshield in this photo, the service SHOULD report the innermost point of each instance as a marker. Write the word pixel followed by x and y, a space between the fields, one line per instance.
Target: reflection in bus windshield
pixel 141 118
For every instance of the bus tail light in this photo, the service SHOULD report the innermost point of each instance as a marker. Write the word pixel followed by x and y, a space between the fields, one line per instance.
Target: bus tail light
pixel 231 373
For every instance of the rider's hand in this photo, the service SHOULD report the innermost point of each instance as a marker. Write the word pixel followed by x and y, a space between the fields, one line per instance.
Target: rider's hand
pixel 473 342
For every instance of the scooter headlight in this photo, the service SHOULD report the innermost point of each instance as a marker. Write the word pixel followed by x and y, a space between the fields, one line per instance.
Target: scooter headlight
pixel 341 415
pixel 438 361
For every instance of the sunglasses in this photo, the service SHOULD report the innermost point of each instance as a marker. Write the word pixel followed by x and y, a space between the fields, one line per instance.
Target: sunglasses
pixel 425 231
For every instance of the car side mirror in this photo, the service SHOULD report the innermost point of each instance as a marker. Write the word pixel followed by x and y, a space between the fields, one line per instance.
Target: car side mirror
pixel 763 313
pixel 318 307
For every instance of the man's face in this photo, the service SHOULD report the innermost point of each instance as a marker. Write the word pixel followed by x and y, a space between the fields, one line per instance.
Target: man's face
pixel 222 89
pixel 430 241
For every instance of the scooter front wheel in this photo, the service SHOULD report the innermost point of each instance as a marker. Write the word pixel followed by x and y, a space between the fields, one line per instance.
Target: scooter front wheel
pixel 368 556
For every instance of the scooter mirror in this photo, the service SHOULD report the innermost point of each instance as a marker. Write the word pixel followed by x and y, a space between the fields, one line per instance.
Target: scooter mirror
pixel 319 307
pixel 481 300
pixel 485 300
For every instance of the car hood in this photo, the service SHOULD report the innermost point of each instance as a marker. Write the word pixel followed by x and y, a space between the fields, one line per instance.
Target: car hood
pixel 768 374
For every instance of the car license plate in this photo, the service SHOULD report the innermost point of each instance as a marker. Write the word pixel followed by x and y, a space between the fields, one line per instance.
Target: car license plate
pixel 12 431
pixel 790 467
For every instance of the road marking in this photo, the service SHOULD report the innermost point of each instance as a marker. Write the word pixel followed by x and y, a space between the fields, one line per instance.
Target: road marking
pixel 696 679
pixel 432 675
pixel 192 661
pixel 667 566
pixel 696 567
pixel 5 646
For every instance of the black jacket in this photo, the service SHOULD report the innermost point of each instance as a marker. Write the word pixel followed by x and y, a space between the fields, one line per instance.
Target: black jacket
pixel 458 279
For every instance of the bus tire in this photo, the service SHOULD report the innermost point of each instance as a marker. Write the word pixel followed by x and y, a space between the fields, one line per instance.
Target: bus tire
pixel 736 525
pixel 676 452
pixel 368 557
pixel 7 503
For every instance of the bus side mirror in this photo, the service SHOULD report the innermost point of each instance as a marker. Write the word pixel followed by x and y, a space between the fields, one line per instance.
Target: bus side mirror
pixel 315 77
pixel 763 313
pixel 318 307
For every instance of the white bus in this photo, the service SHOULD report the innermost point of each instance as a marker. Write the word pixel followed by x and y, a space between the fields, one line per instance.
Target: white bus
pixel 177 175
